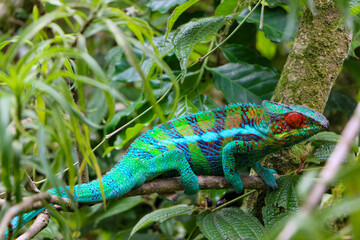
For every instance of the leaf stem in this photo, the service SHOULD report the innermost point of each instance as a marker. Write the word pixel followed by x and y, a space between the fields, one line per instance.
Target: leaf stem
pixel 201 59
pixel 234 200
pixel 201 73
pixel 261 25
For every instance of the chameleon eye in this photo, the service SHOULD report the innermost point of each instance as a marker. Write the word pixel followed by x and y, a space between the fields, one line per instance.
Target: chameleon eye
pixel 294 120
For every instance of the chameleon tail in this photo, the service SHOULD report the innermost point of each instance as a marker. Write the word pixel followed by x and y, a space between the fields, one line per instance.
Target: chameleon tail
pixel 117 182
pixel 25 218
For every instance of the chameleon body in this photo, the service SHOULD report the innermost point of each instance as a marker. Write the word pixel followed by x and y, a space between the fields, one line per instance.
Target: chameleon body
pixel 214 142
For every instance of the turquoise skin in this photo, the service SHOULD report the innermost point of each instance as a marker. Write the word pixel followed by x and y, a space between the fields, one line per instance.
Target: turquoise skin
pixel 217 142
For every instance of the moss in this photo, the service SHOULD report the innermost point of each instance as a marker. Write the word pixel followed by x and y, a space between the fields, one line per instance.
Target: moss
pixel 319 50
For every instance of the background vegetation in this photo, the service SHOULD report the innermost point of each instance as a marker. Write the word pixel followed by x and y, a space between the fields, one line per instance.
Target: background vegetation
pixel 73 72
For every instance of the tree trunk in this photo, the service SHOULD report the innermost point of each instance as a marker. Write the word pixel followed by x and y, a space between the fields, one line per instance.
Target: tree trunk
pixel 320 47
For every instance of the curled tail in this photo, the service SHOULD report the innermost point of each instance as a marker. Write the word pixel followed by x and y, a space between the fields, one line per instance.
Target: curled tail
pixel 25 218
pixel 117 182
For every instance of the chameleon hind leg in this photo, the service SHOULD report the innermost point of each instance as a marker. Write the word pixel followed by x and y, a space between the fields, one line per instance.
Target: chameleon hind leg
pixel 174 160
pixel 253 153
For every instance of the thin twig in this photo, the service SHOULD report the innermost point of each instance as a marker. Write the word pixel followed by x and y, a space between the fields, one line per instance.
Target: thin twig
pixel 201 59
pixel 30 185
pixel 328 173
pixel 261 25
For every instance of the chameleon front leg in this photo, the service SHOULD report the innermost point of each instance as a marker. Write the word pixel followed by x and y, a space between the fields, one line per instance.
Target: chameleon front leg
pixel 266 174
pixel 253 152
pixel 175 160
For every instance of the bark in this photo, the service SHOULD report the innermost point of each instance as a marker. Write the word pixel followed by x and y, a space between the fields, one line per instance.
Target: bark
pixel 161 186
pixel 320 47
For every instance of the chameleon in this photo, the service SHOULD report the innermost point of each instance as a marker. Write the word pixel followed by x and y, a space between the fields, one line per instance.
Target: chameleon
pixel 217 142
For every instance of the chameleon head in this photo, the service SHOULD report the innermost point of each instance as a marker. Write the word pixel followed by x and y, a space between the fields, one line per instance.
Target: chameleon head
pixel 293 124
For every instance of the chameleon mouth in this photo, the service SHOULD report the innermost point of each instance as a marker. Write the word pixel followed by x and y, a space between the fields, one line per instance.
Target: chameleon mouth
pixel 325 123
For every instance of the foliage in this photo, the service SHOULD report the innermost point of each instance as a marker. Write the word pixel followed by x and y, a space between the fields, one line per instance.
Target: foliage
pixel 73 72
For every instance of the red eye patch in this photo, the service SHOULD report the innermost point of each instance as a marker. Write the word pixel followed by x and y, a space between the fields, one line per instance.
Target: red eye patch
pixel 294 120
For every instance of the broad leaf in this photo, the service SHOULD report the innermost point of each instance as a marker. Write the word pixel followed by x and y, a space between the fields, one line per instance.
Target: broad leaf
pixel 243 82
pixel 185 106
pixel 203 103
pixel 321 153
pixel 118 67
pixel 193 32
pixel 162 215
pixel 342 102
pixel 354 7
pixel 226 7
pixel 274 22
pixel 279 204
pixel 325 136
pixel 274 3
pixel 265 46
pixel 230 223
pixel 120 206
pixel 239 53
pixel 163 6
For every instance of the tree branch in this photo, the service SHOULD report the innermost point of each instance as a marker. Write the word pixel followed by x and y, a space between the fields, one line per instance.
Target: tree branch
pixel 161 186
pixel 41 222
pixel 29 204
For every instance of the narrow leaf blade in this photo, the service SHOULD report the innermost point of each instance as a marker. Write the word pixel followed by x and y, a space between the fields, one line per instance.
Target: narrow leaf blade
pixel 176 14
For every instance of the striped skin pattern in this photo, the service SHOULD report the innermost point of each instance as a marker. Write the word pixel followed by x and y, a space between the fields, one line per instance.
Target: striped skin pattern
pixel 215 142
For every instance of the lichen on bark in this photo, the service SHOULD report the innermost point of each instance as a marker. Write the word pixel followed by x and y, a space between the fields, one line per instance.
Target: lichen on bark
pixel 320 47
pixel 319 50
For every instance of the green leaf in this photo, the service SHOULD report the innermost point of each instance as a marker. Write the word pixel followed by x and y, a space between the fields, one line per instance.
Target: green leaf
pixel 243 82
pixel 63 103
pixel 185 106
pixel 193 32
pixel 118 67
pixel 325 136
pixel 226 7
pixel 162 215
pixel 230 223
pixel 354 7
pixel 203 103
pixel 342 102
pixel 163 6
pixel 279 204
pixel 130 133
pixel 266 47
pixel 274 3
pixel 6 138
pixel 274 22
pixel 351 65
pixel 176 13
pixel 321 153
pixel 239 53
pixel 119 206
